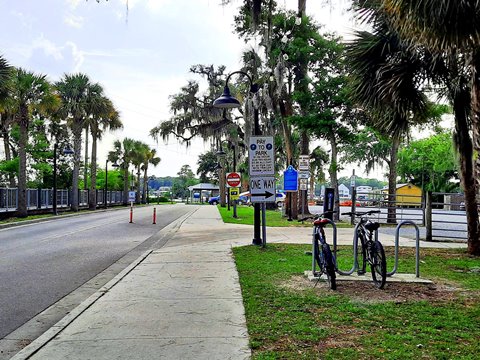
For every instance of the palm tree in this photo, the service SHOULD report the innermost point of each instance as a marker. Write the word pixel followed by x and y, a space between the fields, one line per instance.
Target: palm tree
pixel 387 84
pixel 450 29
pixel 76 92
pixel 150 158
pixel 104 116
pixel 5 76
pixel 123 153
pixel 138 159
pixel 6 115
pixel 32 94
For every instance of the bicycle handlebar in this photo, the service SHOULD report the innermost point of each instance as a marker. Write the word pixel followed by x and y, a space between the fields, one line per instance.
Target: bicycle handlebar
pixel 316 216
pixel 359 214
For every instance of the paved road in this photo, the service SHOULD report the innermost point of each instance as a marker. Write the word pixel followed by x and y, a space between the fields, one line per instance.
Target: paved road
pixel 42 263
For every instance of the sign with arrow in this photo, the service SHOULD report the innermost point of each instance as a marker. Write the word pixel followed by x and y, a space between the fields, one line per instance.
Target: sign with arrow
pixel 262 189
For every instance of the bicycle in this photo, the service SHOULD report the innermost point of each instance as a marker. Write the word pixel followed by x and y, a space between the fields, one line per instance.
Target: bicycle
pixel 371 250
pixel 325 258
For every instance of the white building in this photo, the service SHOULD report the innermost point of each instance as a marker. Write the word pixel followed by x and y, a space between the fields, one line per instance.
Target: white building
pixel 363 192
pixel 343 191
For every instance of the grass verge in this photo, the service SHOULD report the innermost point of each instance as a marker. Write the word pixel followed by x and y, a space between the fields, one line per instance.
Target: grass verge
pixel 288 318
pixel 273 217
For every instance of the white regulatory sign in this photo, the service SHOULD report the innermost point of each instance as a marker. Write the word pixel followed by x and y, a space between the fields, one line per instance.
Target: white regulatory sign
pixel 260 156
pixel 262 189
pixel 304 163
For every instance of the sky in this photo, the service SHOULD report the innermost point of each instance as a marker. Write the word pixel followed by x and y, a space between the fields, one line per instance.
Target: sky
pixel 140 58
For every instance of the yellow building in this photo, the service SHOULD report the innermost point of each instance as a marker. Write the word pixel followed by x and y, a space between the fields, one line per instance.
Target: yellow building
pixel 408 195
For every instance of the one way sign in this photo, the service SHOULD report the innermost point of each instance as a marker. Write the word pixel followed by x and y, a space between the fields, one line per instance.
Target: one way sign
pixel 262 189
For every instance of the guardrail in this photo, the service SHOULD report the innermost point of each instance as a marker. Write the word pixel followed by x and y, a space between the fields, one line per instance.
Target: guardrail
pixel 43 198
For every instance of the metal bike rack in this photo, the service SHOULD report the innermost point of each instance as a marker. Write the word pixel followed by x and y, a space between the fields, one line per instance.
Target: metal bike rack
pixel 417 250
pixel 314 267
pixel 355 251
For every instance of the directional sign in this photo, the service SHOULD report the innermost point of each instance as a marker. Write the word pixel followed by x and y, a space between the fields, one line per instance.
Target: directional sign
pixel 303 174
pixel 303 184
pixel 290 179
pixel 304 163
pixel 262 189
pixel 233 179
pixel 260 156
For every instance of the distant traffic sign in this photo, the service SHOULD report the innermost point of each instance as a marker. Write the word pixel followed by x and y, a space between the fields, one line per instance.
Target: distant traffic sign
pixel 234 193
pixel 131 196
pixel 304 163
pixel 262 189
pixel 303 174
pixel 260 156
pixel 290 179
pixel 233 179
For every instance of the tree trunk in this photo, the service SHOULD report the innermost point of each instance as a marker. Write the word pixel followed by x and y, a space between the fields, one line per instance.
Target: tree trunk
pixel 85 169
pixel 392 180
pixel 332 170
pixel 137 194
pixel 471 208
pixel 77 148
pixel 125 182
pixel 286 111
pixel 8 153
pixel 22 164
pixel 92 198
pixel 145 185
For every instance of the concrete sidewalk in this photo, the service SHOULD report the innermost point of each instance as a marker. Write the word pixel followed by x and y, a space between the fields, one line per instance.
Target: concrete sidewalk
pixel 182 301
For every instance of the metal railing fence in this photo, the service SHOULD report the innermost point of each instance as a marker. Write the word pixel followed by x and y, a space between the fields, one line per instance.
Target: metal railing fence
pixel 43 198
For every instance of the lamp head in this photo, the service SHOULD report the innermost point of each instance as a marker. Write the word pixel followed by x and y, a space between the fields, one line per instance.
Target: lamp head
pixel 226 101
pixel 220 153
pixel 115 165
pixel 67 150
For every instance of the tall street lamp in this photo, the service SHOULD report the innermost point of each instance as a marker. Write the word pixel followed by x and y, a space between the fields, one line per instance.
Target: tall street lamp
pixel 227 101
pixel 115 165
pixel 66 151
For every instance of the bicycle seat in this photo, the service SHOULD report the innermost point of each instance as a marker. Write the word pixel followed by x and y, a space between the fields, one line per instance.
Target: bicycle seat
pixel 372 226
pixel 321 222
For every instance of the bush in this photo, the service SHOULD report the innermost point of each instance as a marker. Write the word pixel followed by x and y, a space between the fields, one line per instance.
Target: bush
pixel 163 199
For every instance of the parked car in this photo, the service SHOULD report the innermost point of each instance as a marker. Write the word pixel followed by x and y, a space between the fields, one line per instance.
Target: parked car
pixel 214 200
pixel 280 198
pixel 243 200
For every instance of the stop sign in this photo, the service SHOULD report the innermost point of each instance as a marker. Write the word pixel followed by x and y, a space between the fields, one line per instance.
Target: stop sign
pixel 233 179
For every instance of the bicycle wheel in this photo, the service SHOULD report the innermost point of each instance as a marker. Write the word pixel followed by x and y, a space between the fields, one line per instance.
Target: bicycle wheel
pixel 329 266
pixel 361 259
pixel 378 265
pixel 316 255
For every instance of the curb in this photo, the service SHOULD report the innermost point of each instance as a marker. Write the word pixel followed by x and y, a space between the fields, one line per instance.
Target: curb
pixel 51 333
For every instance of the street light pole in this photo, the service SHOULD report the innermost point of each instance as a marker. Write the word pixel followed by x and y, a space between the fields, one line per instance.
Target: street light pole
pixel 227 101
pixel 106 184
pixel 54 205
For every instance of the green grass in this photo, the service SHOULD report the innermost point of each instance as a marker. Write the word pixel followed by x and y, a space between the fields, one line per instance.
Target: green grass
pixel 273 217
pixel 289 319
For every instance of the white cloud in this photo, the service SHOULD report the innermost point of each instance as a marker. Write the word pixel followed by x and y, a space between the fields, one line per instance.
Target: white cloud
pixel 74 21
pixel 48 47
pixel 78 56
pixel 73 3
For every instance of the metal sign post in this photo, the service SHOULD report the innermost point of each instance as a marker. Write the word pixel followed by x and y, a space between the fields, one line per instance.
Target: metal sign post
pixel 261 160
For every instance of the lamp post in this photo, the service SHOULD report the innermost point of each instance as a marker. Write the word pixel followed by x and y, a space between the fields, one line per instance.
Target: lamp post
pixel 66 151
pixel 115 165
pixel 221 177
pixel 227 101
